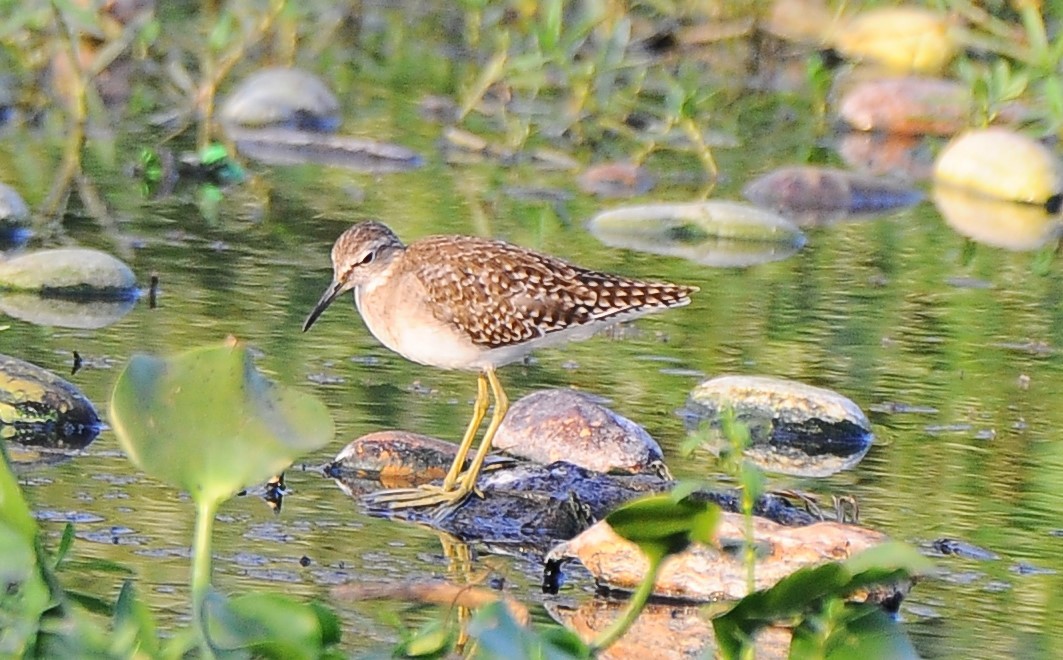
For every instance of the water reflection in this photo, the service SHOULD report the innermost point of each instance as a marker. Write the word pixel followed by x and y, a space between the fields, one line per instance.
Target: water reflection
pixel 998 223
pixel 65 312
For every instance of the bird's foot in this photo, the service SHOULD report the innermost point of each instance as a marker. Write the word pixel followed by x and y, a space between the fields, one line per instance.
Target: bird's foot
pixel 427 495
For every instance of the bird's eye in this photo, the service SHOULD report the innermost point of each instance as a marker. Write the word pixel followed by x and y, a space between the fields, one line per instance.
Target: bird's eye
pixel 366 259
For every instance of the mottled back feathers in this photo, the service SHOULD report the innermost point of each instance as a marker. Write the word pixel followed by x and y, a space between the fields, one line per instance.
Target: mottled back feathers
pixel 500 294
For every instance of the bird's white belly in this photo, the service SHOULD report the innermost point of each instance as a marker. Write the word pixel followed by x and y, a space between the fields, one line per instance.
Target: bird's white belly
pixel 421 339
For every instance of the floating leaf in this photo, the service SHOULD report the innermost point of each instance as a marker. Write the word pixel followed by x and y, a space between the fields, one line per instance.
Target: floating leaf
pixel 208 422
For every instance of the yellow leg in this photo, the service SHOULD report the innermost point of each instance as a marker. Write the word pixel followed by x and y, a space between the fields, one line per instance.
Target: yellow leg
pixel 478 412
pixel 468 479
pixel 457 484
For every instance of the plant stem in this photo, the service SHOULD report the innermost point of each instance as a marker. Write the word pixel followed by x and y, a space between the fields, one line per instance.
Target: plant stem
pixel 201 565
pixel 750 553
pixel 638 600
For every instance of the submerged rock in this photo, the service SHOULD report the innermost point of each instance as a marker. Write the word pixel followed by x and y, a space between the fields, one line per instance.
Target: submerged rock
pixel 69 272
pixel 713 233
pixel 41 410
pixel 565 425
pixel 709 573
pixel 615 180
pixel 822 192
pixel 794 428
pixel 282 97
pixel 900 157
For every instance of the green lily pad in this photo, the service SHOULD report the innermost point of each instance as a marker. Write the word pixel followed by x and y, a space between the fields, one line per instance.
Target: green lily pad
pixel 208 422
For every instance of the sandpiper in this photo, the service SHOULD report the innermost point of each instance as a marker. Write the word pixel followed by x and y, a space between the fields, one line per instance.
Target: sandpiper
pixel 463 302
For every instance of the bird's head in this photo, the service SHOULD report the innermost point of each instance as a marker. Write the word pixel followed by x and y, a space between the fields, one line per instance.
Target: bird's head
pixel 358 255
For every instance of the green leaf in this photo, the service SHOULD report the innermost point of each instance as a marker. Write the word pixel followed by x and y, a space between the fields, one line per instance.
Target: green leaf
pixel 662 524
pixel 64 545
pixel 207 422
pixel 14 512
pixel 849 630
pixel 549 31
pixel 268 625
pixel 498 635
pixel 90 602
pixel 133 622
pixel 803 590
pixel 434 640
pixel 25 595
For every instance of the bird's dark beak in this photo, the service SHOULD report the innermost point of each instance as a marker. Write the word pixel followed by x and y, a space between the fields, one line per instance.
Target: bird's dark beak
pixel 331 293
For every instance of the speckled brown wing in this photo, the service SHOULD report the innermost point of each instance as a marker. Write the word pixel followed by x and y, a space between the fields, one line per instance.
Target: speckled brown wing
pixel 500 294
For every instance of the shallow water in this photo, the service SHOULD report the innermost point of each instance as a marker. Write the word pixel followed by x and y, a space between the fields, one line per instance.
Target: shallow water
pixel 934 335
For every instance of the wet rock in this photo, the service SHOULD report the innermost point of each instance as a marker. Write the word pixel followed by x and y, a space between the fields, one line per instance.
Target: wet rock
pixel 565 425
pixel 13 209
pixel 806 21
pixel 901 157
pixel 281 146
pixel 615 180
pixel 909 105
pixel 398 458
pixel 903 39
pixel 523 508
pixel 998 223
pixel 963 550
pixel 84 314
pixel 69 272
pixel 282 97
pixel 713 233
pixel 41 410
pixel 818 193
pixel 794 428
pixel 709 573
pixel 526 507
pixel 440 109
pixel 1001 164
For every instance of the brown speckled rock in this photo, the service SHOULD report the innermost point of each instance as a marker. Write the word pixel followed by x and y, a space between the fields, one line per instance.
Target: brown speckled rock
pixel 565 425
pixel 707 573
